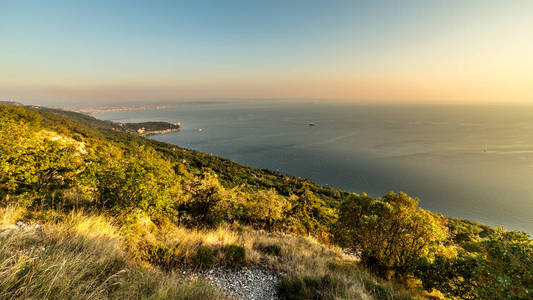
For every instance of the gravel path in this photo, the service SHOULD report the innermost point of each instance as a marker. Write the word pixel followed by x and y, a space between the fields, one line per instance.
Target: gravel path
pixel 254 283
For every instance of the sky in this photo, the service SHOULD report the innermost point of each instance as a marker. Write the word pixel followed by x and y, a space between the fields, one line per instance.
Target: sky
pixel 477 51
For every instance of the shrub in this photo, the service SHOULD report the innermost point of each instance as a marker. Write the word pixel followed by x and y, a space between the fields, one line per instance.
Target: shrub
pixel 143 181
pixel 450 275
pixel 159 254
pixel 382 292
pixel 375 289
pixel 201 256
pixel 204 258
pixel 310 213
pixel 206 203
pixel 234 256
pixel 392 232
pixel 293 288
pixel 265 209
pixel 271 249
pixel 296 288
pixel 35 166
pixel 502 268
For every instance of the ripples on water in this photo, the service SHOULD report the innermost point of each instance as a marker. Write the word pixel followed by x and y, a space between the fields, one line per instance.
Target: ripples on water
pixel 472 162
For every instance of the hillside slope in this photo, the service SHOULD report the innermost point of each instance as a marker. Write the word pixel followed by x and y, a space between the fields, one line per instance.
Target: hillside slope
pixel 167 210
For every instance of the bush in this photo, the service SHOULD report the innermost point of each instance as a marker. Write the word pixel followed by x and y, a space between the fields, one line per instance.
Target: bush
pixel 234 256
pixel 143 181
pixel 271 249
pixel 201 256
pixel 381 292
pixel 204 258
pixel 34 165
pixel 206 204
pixel 160 255
pixel 265 209
pixel 392 232
pixel 293 288
pixel 311 214
pixel 296 288
pixel 502 268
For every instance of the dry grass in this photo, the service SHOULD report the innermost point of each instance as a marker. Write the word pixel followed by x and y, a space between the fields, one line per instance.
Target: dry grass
pixel 77 255
pixel 9 215
pixel 80 258
pixel 299 259
pixel 313 269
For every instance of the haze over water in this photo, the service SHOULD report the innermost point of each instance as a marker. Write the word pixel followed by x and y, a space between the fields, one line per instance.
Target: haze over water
pixel 465 161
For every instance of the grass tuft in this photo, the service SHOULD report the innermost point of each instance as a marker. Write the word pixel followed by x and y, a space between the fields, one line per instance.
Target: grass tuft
pixel 234 256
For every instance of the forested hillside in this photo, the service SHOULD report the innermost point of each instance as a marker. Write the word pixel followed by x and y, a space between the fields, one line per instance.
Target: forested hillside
pixel 158 208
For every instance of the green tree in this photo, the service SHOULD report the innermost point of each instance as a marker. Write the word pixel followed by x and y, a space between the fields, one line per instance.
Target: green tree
pixel 500 268
pixel 14 137
pixel 31 163
pixel 311 213
pixel 140 180
pixel 266 209
pixel 207 201
pixel 505 266
pixel 391 232
pixel 452 276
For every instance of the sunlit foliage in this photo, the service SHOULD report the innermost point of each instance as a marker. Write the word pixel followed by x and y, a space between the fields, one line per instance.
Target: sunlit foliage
pixel 391 232
pixel 52 162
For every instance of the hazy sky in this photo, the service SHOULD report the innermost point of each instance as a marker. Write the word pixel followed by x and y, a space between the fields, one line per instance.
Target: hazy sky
pixel 107 51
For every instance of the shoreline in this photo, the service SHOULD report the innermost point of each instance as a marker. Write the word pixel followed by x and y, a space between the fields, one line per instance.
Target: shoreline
pixel 157 132
pixel 99 110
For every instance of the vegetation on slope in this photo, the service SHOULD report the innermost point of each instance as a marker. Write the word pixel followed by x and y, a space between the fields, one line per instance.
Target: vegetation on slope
pixel 167 204
pixel 80 257
pixel 88 256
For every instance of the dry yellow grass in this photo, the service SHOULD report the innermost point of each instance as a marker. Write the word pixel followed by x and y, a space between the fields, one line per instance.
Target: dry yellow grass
pixel 295 257
pixel 10 214
pixel 78 255
pixel 80 258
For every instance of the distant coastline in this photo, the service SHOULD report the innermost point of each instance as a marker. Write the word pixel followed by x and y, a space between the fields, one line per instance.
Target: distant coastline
pixel 99 110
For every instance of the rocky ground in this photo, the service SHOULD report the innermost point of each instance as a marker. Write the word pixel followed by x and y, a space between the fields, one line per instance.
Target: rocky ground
pixel 19 226
pixel 253 282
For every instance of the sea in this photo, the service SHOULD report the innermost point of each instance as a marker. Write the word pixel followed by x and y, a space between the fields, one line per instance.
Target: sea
pixel 465 161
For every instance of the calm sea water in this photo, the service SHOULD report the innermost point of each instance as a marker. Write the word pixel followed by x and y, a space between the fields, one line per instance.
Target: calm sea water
pixel 472 162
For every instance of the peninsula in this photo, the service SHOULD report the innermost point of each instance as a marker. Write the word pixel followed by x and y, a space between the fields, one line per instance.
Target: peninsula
pixel 150 128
